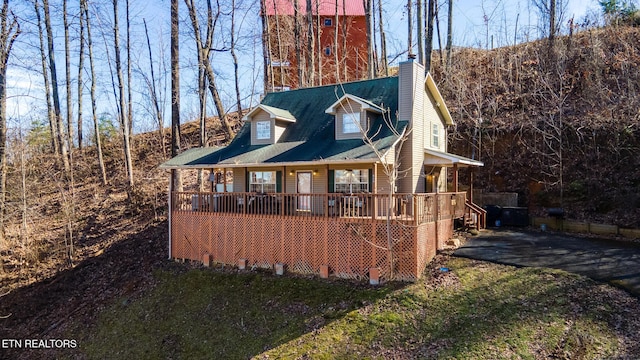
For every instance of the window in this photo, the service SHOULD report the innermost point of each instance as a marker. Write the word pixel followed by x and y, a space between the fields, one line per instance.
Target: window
pixel 327 50
pixel 350 123
pixel 436 138
pixel 351 181
pixel 263 130
pixel 328 22
pixel 262 181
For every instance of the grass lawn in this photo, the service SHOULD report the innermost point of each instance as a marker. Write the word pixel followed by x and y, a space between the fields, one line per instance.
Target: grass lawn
pixel 476 310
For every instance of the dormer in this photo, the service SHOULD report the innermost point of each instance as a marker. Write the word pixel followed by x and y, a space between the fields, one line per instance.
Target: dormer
pixel 268 123
pixel 351 113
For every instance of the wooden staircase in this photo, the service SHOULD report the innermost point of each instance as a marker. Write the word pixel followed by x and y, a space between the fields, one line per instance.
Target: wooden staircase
pixel 475 217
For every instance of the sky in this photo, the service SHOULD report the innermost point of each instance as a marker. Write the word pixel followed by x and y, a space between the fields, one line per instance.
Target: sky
pixel 477 23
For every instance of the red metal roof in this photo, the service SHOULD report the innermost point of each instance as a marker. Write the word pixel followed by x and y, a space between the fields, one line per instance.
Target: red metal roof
pixel 324 7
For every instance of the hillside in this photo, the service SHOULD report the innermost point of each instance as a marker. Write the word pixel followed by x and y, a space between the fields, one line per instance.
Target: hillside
pixel 563 119
pixel 559 126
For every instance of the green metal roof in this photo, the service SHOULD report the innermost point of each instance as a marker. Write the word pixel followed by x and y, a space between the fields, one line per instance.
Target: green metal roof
pixel 312 137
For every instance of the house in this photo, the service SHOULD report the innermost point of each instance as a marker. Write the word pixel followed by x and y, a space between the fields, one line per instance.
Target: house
pixel 321 23
pixel 301 185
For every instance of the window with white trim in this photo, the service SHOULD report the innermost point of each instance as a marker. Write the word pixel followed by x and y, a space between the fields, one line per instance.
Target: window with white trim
pixel 328 22
pixel 351 181
pixel 263 130
pixel 262 181
pixel 351 123
pixel 435 136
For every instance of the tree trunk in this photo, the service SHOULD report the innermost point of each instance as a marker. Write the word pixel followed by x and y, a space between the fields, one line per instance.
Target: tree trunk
pixel 53 126
pixel 96 128
pixel 449 33
pixel 67 68
pixel 9 31
pixel 383 41
pixel 335 44
pixel 175 80
pixel 54 87
pixel 428 49
pixel 154 95
pixel 419 31
pixel 409 28
pixel 124 123
pixel 311 44
pixel 129 98
pixel 552 21
pixel 367 18
pixel 318 34
pixel 80 84
pixel 234 57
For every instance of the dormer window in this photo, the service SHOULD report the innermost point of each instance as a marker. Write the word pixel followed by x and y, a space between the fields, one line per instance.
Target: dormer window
pixel 268 124
pixel 350 123
pixel 352 116
pixel 263 130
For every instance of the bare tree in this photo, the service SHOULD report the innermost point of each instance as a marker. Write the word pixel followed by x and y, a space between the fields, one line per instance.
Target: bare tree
pixel 311 45
pixel 449 33
pixel 175 79
pixel 84 11
pixel 232 49
pixel 9 31
pixel 367 18
pixel 409 27
pixel 205 47
pixel 80 70
pixel 124 121
pixel 67 67
pixel 428 48
pixel 151 85
pixel 62 134
pixel 419 30
pixel 53 125
pixel 383 41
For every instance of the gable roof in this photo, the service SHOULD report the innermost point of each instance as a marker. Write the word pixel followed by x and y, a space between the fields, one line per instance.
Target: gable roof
pixel 365 104
pixel 274 113
pixel 318 7
pixel 311 138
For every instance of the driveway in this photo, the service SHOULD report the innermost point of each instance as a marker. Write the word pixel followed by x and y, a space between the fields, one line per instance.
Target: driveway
pixel 600 259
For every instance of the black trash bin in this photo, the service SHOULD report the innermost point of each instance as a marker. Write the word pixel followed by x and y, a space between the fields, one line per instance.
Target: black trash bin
pixel 493 214
pixel 514 216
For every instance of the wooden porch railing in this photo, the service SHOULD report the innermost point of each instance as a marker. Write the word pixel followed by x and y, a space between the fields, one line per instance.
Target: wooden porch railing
pixel 411 208
pixel 475 215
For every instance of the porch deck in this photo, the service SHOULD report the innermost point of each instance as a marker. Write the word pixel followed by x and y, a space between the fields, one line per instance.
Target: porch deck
pixel 346 233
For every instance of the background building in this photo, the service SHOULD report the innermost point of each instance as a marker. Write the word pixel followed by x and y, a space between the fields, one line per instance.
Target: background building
pixel 313 42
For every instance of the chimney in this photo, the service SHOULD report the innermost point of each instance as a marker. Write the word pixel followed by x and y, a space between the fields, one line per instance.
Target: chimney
pixel 411 99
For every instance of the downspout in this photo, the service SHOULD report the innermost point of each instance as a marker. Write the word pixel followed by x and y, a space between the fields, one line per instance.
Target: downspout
pixel 170 209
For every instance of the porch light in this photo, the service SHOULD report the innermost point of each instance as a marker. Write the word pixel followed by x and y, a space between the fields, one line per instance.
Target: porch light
pixel 315 172
pixel 290 172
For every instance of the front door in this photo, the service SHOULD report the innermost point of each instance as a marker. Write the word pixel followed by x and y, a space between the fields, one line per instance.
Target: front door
pixel 304 187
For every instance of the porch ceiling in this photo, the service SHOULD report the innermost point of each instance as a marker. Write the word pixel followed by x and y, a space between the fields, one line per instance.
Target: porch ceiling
pixel 439 158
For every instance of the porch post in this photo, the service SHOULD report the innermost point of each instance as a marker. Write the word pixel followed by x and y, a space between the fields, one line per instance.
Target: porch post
pixel 471 185
pixel 284 190
pixel 374 187
pixel 455 177
pixel 326 194
pixel 224 179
